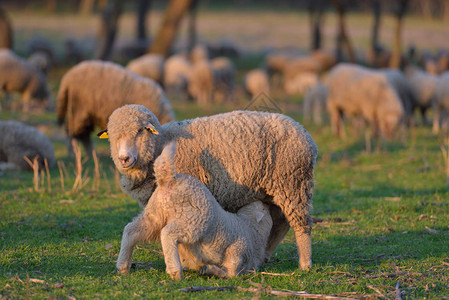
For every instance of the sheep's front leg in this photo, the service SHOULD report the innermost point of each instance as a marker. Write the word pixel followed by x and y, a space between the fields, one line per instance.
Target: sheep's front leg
pixel 170 237
pixel 133 233
pixel 214 270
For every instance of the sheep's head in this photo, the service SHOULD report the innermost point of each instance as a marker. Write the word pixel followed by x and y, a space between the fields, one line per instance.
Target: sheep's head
pixel 258 216
pixel 133 133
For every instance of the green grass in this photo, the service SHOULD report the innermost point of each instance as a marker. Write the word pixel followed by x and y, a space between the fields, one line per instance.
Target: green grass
pixel 376 215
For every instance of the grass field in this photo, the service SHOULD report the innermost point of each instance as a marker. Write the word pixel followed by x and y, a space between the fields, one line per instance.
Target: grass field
pixel 381 221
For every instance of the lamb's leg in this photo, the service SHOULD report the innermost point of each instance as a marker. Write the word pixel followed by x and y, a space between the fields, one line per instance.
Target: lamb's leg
pixel 278 230
pixel 133 233
pixel 214 270
pixel 436 119
pixel 170 237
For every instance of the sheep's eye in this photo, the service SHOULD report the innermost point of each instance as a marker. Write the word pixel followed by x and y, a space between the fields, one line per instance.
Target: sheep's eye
pixel 140 131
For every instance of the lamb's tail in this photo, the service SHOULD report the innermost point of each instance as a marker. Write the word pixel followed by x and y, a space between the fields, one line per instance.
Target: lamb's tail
pixel 63 99
pixel 164 165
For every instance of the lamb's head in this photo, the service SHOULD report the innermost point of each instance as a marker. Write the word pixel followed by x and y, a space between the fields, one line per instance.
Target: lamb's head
pixel 134 138
pixel 391 113
pixel 258 217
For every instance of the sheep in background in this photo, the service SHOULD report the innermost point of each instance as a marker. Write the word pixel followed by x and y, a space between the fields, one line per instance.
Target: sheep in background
pixel 19 75
pixel 358 91
pixel 199 53
pixel 440 102
pixel 18 141
pixel 404 90
pixel 324 59
pixel 92 90
pixel 256 82
pixel 194 230
pixel 41 60
pixel 301 74
pixel 177 74
pixel 241 157
pixel 300 83
pixel 213 81
pixel 423 85
pixel 149 66
pixel 315 103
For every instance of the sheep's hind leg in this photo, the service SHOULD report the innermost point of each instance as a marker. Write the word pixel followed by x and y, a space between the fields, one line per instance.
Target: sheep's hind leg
pixel 133 233
pixel 170 237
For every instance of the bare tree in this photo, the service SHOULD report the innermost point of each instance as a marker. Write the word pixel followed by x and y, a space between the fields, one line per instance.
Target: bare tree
pixel 316 17
pixel 143 6
pixel 342 37
pixel 170 25
pixel 6 34
pixel 192 34
pixel 86 7
pixel 399 11
pixel 108 29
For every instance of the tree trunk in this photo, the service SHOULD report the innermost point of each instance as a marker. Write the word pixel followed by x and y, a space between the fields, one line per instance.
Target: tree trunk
pixel 142 8
pixel 6 34
pixel 342 37
pixel 395 61
pixel 86 7
pixel 169 27
pixel 376 25
pixel 108 29
pixel 51 6
pixel 316 12
pixel 192 35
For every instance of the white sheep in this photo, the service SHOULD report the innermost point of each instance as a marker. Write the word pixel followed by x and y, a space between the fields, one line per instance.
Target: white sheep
pixel 212 81
pixel 149 66
pixel 315 103
pixel 440 102
pixel 91 90
pixel 19 75
pixel 256 82
pixel 241 157
pixel 177 74
pixel 360 92
pixel 300 83
pixel 195 231
pixel 19 140
pixel 199 53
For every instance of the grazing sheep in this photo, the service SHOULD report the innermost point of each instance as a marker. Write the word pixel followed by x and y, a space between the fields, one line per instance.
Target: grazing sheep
pixel 19 75
pixel 41 60
pixel 315 103
pixel 256 82
pixel 404 90
pixel 212 81
pixel 423 84
pixel 441 102
pixel 90 91
pixel 177 74
pixel 300 83
pixel 324 59
pixel 199 53
pixel 358 91
pixel 18 141
pixel 195 231
pixel 241 157
pixel 149 66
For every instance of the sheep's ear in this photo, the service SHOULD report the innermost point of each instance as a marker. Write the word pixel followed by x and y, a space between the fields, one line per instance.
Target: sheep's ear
pixel 259 216
pixel 151 128
pixel 103 134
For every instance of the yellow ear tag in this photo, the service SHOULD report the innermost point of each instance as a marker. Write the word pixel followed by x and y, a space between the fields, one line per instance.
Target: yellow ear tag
pixel 151 128
pixel 103 134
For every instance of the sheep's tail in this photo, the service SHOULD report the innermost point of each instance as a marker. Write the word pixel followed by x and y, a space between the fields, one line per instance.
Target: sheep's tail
pixel 164 165
pixel 63 99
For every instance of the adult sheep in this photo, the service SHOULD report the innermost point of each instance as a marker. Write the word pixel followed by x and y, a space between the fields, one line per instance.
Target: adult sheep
pixel 19 140
pixel 315 103
pixel 256 82
pixel 19 75
pixel 441 102
pixel 149 66
pixel 241 157
pixel 360 92
pixel 92 90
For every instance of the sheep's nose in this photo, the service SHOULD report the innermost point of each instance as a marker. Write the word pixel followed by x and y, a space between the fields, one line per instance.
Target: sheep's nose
pixel 126 161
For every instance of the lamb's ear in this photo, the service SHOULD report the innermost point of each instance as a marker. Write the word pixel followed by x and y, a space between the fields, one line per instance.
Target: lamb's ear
pixel 259 216
pixel 103 134
pixel 151 128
